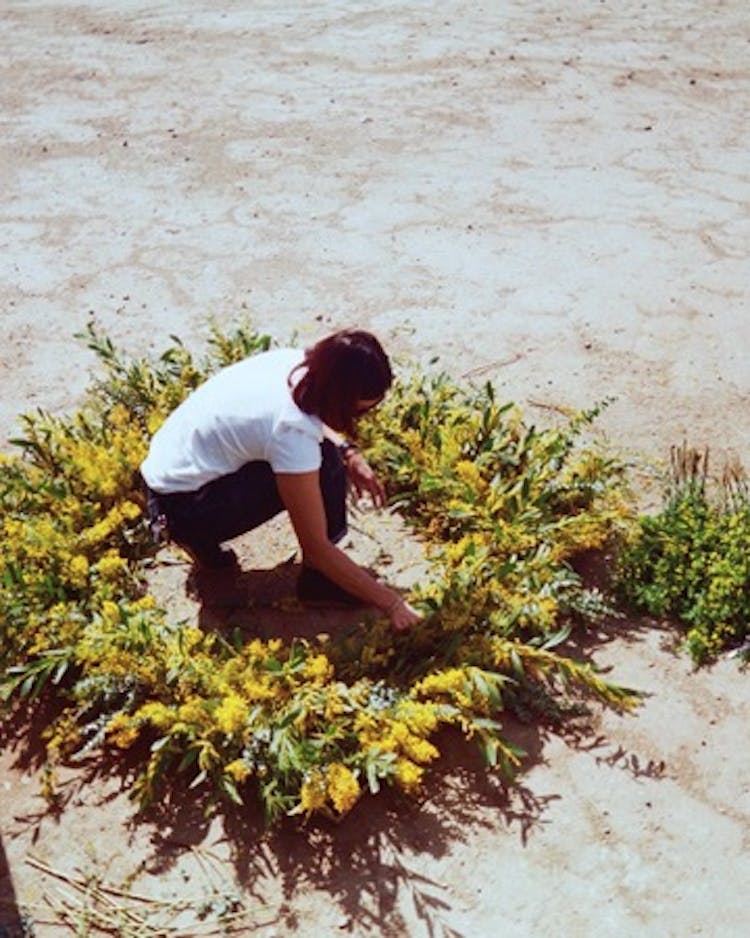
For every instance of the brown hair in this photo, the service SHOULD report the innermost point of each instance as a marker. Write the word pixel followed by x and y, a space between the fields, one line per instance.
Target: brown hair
pixel 342 370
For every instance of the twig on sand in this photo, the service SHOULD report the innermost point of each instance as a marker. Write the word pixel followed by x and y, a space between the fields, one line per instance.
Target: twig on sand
pixel 108 910
pixel 557 408
pixel 480 370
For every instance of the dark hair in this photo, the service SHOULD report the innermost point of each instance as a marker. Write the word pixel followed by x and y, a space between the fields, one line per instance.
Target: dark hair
pixel 342 370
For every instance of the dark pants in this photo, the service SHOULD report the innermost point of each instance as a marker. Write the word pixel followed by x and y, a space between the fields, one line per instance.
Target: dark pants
pixel 239 502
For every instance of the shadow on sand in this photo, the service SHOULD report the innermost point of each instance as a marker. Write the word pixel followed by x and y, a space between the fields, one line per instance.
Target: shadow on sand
pixel 369 862
pixel 12 923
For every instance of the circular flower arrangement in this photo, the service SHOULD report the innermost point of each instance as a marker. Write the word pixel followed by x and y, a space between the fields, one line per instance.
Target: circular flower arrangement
pixel 307 727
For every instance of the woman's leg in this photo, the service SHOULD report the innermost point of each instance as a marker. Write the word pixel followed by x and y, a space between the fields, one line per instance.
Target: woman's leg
pixel 333 486
pixel 242 501
pixel 220 510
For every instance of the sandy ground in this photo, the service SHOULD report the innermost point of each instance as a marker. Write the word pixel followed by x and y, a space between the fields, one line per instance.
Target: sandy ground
pixel 554 197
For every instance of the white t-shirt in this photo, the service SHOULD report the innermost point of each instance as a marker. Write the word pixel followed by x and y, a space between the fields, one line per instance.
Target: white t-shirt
pixel 243 413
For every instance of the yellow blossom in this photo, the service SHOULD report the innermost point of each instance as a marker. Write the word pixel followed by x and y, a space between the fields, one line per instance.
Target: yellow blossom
pixel 110 565
pixel 420 750
pixel 110 612
pixel 122 731
pixel 231 714
pixel 78 571
pixel 154 420
pixel 157 714
pixel 119 417
pixel 144 603
pixel 408 775
pixel 130 511
pixel 313 793
pixel 421 718
pixel 238 770
pixel 343 787
pixel 193 711
pixel 318 669
pixel 469 473
pixel 335 704
pixel 258 689
pixel 448 681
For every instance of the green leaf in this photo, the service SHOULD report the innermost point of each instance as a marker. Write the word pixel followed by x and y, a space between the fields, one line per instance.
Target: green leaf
pixel 373 782
pixel 230 789
pixel 160 743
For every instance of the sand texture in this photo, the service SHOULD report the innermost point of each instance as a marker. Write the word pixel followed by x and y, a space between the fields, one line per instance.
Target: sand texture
pixel 553 197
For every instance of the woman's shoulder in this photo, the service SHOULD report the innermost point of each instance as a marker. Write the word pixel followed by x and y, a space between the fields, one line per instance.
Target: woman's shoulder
pixel 263 366
pixel 273 357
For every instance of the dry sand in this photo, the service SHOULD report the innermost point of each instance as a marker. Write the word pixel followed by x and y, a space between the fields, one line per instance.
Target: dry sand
pixel 554 197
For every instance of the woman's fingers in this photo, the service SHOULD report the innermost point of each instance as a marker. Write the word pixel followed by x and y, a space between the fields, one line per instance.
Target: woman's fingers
pixel 403 616
pixel 364 481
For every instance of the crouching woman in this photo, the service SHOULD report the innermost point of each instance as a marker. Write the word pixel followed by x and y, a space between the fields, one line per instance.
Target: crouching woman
pixel 272 433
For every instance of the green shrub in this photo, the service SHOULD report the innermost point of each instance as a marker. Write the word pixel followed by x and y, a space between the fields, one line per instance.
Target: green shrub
pixel 304 725
pixel 691 561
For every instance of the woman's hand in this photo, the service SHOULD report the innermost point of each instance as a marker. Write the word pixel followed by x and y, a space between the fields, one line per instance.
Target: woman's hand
pixel 402 615
pixel 300 493
pixel 363 480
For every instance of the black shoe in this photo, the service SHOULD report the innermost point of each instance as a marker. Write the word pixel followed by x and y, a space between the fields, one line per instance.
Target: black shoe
pixel 213 557
pixel 314 588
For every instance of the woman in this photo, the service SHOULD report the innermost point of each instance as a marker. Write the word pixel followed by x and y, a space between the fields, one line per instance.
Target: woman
pixel 270 433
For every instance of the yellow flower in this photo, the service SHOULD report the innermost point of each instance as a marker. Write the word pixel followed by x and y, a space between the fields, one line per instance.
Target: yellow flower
pixel 451 682
pixel 443 682
pixel 408 775
pixel 125 737
pixel 157 714
pixel 231 714
pixel 78 571
pixel 343 787
pixel 110 612
pixel 257 690
pixel 144 603
pixel 318 669
pixel 193 711
pixel 312 795
pixel 420 750
pixel 419 717
pixel 335 704
pixel 130 511
pixel 154 420
pixel 238 770
pixel 110 565
pixel 469 473
pixel 119 417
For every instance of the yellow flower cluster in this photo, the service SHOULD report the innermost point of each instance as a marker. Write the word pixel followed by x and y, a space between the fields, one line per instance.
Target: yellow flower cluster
pixel 122 731
pixel 78 571
pixel 313 793
pixel 231 714
pixel 409 775
pixel 342 787
pixel 336 785
pixel 497 500
pixel 421 718
pixel 111 524
pixel 238 770
pixel 390 735
pixel 451 683
pixel 318 669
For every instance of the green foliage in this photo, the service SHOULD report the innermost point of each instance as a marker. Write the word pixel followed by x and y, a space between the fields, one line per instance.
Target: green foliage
pixel 308 727
pixel 504 505
pixel 691 561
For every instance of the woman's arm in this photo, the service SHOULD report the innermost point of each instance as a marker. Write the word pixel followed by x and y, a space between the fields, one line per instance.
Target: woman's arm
pixel 300 493
pixel 361 476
